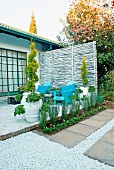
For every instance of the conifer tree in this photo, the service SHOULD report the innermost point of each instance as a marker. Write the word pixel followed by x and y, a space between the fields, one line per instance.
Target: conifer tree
pixel 32 27
pixel 31 69
pixel 84 72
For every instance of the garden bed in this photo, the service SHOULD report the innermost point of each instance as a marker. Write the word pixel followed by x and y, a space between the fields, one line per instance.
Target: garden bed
pixel 108 104
pixel 61 125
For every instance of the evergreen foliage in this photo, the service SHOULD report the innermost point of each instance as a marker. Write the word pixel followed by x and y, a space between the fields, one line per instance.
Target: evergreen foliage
pixel 32 27
pixel 84 72
pixel 31 69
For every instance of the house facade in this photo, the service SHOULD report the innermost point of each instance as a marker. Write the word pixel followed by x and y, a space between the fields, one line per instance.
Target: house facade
pixel 14 49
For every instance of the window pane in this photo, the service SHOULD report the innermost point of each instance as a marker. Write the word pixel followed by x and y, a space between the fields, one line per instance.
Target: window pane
pixel 0 66
pixel 4 81
pixel 9 67
pixel 24 81
pixel 24 55
pixel 20 68
pixel 0 88
pixel 0 76
pixel 15 61
pixel 20 74
pixel 9 60
pixel 14 67
pixel 19 62
pixel 24 75
pixel 10 75
pixel 10 81
pixel 15 81
pixel 19 55
pixel 10 54
pixel 15 88
pixel 5 89
pixel 0 52
pixel 15 75
pixel 4 74
pixel 3 52
pixel 10 87
pixel 14 54
pixel 20 81
pixel 3 60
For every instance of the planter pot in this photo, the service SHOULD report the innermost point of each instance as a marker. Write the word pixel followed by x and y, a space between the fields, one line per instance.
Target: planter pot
pixel 85 92
pixel 31 109
pixel 23 101
pixel 99 99
pixel 11 100
pixel 20 117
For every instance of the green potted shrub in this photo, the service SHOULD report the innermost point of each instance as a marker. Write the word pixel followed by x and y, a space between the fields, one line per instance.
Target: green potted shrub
pixel 31 100
pixel 33 97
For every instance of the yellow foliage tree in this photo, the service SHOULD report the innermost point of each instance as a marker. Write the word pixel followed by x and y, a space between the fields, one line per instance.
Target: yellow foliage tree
pixel 32 27
pixel 85 18
pixel 92 20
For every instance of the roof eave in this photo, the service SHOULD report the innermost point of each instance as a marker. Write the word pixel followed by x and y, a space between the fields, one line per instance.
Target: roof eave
pixel 25 36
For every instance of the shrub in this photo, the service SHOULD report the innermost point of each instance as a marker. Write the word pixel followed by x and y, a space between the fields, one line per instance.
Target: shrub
pixel 84 72
pixel 31 69
pixel 19 110
pixel 47 130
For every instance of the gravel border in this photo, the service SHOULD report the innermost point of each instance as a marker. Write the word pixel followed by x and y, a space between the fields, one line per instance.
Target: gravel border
pixel 30 151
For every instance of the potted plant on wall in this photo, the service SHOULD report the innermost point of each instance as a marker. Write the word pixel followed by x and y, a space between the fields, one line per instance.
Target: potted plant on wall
pixel 31 99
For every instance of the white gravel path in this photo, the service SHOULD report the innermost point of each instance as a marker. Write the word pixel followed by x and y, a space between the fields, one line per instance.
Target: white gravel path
pixel 30 151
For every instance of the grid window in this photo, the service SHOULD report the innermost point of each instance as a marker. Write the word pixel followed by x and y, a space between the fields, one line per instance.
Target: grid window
pixel 12 65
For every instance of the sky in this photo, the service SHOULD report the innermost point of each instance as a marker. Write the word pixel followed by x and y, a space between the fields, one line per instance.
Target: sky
pixel 17 13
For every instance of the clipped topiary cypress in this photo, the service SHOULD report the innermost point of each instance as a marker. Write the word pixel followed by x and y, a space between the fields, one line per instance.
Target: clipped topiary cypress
pixel 31 69
pixel 84 72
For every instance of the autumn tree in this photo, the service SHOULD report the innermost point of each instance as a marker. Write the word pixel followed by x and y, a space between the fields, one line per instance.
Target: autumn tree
pixel 89 20
pixel 32 27
pixel 85 19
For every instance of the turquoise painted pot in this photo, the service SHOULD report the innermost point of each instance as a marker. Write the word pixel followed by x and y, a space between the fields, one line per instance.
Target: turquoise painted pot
pixel 99 99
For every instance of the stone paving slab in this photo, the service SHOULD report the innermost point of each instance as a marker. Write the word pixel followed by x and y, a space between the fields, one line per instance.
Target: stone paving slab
pixel 112 129
pixel 107 112
pixel 82 129
pixel 10 125
pixel 67 138
pixel 109 137
pixel 93 123
pixel 102 118
pixel 103 149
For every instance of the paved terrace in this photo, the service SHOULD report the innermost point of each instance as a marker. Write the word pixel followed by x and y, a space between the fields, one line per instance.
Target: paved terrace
pixel 102 150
